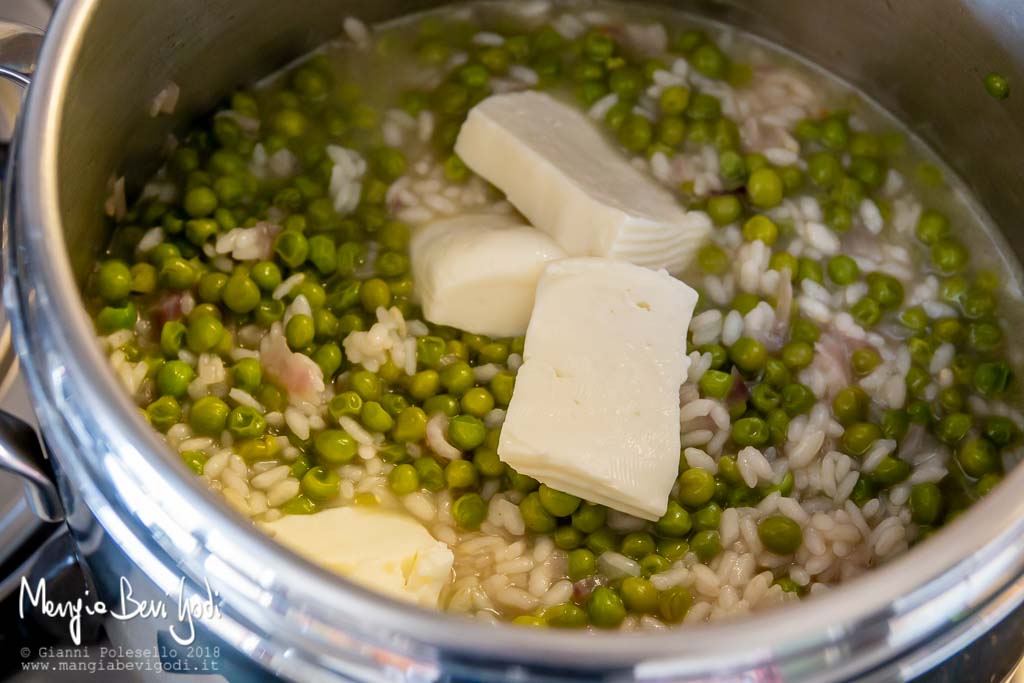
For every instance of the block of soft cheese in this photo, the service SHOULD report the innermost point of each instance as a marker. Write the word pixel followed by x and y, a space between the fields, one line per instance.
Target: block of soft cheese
pixel 595 410
pixel 386 551
pixel 569 181
pixel 479 272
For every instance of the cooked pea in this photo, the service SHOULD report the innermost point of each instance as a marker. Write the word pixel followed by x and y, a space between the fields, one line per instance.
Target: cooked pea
pixel 113 281
pixel 589 517
pixel 637 545
pixel 675 523
pixel 636 133
pixel 174 377
pixel 375 418
pixel 674 603
pixel 1000 430
pixel 706 545
pixel 954 427
pixel 208 416
pixel 299 331
pixel 987 483
pixel 843 270
pixel 850 405
pixel 949 256
pixel 885 289
pixel 824 169
pixel 457 378
pixel 797 354
pixel 866 312
pixel 469 511
pixel 764 187
pixel 715 383
pixel 809 269
pixel 431 474
pixel 696 486
pixel 932 226
pixel 997 86
pixel 557 503
pixel 466 432
pixel 204 333
pixel 890 471
pixel 582 563
pixel 566 615
pixel 978 456
pixel 992 378
pixel 639 595
pixel 760 227
pixel 750 431
pixel 859 437
pixel 477 402
pixel 780 534
pixel 864 361
pixel 536 518
pixel 200 202
pixel 605 608
pixel 674 100
pixel 748 354
pixel 335 447
pixel 765 398
pixel 404 479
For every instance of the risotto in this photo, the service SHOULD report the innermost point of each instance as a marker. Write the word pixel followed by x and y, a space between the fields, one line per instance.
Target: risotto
pixel 554 314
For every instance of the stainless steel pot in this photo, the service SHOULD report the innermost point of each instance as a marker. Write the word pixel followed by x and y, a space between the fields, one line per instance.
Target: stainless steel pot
pixel 135 511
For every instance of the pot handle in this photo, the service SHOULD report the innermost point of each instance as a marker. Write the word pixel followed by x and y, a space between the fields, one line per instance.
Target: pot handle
pixel 20 450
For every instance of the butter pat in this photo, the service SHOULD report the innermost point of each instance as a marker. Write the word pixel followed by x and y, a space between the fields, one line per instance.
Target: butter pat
pixel 388 552
pixel 595 410
pixel 479 272
pixel 569 181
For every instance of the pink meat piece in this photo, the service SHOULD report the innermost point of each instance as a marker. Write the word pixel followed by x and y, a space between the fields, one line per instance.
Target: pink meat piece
pixel 296 373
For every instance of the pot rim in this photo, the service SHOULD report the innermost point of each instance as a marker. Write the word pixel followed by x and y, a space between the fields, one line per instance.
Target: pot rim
pixel 889 608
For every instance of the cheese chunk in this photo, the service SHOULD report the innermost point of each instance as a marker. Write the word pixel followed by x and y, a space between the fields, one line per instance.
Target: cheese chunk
pixel 479 272
pixel 595 410
pixel 388 552
pixel 569 181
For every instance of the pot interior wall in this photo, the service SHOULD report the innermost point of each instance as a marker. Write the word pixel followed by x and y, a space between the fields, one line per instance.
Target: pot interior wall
pixel 922 59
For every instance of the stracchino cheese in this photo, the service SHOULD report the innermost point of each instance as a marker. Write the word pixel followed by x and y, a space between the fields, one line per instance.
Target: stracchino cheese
pixel 569 181
pixel 479 272
pixel 595 410
pixel 389 552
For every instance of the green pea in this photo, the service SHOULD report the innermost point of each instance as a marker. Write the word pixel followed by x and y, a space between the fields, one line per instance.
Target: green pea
pixel 724 209
pixel 502 385
pixel 208 416
pixel 299 332
pixel 890 471
pixel 176 273
pixel 457 378
pixel 949 255
pixel 345 404
pixel 469 511
pixel 978 456
pixel 566 615
pixel 776 374
pixel 762 228
pixel 765 398
pixel 639 595
pixel 715 383
pixel 626 82
pixel 441 403
pixel 797 399
pixel 885 289
pixel 997 86
pixel 674 603
pixel 143 278
pixel 696 487
pixel 797 354
pixel 864 361
pixel 292 248
pixel 987 483
pixel 712 259
pixel 843 270
pixel 536 518
pixel 748 354
pixel 335 447
pixel 780 534
pixel 751 431
pixel 850 405
pixel 589 517
pixel 824 169
pixel 430 473
pixel 674 100
pixel 992 378
pixel 859 437
pixel 582 563
pixel 866 312
pixel 174 377
pixel 731 165
pixel 925 503
pixel 809 269
pixel 675 523
pixel 245 422
pixel 557 503
pixel 637 544
pixel 764 187
pixel 605 608
pixel 247 374
pixel 375 418
pixel 636 133
pixel 704 107
pixel 954 427
pixel 410 425
pixel 1001 431
pixel 404 479
pixel 460 474
pixel 200 202
pixel 466 432
pixel 477 402
pixel 204 333
pixel 706 545
pixel 113 281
